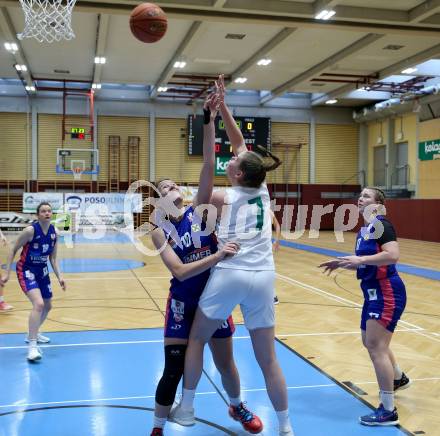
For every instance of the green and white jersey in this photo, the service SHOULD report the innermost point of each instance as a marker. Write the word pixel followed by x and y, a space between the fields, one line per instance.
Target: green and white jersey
pixel 246 219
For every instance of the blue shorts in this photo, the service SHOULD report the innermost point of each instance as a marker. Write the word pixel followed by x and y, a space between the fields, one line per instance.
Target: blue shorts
pixel 180 316
pixel 385 301
pixel 34 278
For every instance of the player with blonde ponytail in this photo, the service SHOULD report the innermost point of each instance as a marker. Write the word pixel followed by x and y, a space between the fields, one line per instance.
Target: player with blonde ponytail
pixel 246 279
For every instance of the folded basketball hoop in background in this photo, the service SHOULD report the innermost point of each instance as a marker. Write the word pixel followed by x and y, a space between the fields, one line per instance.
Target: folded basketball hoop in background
pixel 47 20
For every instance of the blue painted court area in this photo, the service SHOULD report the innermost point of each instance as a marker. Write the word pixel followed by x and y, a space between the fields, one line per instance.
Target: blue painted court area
pixel 103 237
pixel 102 383
pixel 88 265
pixel 408 269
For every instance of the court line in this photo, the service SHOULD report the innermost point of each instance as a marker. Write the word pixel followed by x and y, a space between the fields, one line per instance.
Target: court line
pixel 91 344
pixel 412 380
pixel 143 397
pixel 79 279
pixel 156 341
pixel 417 329
pixel 280 335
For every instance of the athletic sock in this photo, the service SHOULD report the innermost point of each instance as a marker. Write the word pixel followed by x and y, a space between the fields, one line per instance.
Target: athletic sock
pixel 235 401
pixel 283 420
pixel 159 422
pixel 188 399
pixel 32 342
pixel 397 372
pixel 387 399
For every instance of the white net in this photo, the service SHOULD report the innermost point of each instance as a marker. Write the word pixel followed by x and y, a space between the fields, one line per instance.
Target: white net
pixel 47 20
pixel 77 172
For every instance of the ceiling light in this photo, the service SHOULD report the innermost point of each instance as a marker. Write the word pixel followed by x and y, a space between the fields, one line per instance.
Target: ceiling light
pixel 30 88
pixel 96 86
pixel 235 36
pixel 19 67
pixel 325 14
pixel 264 62
pixel 409 70
pixel 162 89
pixel 332 101
pixel 100 60
pixel 11 46
pixel 240 80
pixel 179 64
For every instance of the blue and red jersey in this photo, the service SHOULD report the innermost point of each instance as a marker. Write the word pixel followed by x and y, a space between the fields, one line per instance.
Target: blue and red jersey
pixel 35 253
pixel 184 247
pixel 383 289
pixel 184 295
pixel 369 241
pixel 32 269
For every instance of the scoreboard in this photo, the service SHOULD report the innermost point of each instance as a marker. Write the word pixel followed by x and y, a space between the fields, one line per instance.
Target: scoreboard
pixel 78 133
pixel 255 130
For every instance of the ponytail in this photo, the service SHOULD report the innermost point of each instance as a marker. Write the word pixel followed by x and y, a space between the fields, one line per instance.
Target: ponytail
pixel 255 165
pixel 276 162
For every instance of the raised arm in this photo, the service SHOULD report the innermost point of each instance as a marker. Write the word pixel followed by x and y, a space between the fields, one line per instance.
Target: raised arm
pixel 232 130
pixel 206 181
pixel 182 271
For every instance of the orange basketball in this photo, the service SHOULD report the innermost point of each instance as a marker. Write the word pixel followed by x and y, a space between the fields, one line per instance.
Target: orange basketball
pixel 148 22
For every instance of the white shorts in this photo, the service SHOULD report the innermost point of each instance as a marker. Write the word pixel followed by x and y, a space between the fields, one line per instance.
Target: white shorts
pixel 252 290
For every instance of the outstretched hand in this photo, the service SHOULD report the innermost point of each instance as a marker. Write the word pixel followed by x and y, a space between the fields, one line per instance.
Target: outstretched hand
pixel 350 262
pixel 220 88
pixel 330 266
pixel 212 104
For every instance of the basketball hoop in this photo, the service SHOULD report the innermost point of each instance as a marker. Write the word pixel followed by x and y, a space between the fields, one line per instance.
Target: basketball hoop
pixel 77 171
pixel 47 20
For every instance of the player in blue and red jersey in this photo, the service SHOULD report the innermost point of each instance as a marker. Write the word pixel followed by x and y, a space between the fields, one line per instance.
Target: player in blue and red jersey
pixel 189 262
pixel 377 253
pixel 39 244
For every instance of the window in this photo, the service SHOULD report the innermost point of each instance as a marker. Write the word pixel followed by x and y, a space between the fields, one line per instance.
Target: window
pixel 379 166
pixel 401 171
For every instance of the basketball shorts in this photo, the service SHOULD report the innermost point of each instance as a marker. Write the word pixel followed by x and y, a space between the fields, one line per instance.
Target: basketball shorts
pixel 384 301
pixel 180 316
pixel 34 278
pixel 253 290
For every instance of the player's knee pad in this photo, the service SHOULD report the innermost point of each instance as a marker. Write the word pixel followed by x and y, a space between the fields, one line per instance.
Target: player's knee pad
pixel 172 373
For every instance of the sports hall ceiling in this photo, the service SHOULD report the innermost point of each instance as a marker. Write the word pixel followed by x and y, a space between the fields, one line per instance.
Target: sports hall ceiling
pixel 364 42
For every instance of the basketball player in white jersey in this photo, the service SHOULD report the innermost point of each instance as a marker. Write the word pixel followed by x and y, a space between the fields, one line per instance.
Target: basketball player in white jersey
pixel 247 279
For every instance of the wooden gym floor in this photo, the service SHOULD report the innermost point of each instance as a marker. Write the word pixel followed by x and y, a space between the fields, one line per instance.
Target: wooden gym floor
pixel 318 316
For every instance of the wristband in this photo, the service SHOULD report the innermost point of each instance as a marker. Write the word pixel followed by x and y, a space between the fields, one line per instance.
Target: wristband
pixel 206 116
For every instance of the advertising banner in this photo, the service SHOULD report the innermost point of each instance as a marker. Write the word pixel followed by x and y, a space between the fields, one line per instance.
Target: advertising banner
pixel 12 221
pixel 221 163
pixel 110 203
pixel 32 199
pixel 429 150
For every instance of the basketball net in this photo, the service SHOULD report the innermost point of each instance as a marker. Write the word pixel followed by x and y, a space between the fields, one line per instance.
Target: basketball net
pixel 47 20
pixel 77 171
